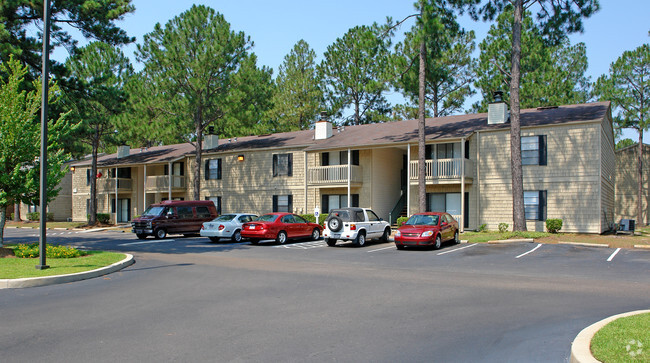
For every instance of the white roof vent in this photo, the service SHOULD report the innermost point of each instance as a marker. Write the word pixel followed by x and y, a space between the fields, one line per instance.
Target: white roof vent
pixel 497 110
pixel 123 151
pixel 323 128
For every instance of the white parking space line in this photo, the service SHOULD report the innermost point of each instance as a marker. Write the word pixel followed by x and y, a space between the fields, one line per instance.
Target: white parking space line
pixel 613 254
pixel 457 249
pixel 303 245
pixel 145 242
pixel 381 249
pixel 531 251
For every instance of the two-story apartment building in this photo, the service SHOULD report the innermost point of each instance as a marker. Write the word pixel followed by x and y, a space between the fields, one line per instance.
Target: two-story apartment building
pixel 567 155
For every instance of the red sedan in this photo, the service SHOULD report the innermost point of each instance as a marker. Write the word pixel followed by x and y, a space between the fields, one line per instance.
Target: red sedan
pixel 427 229
pixel 280 227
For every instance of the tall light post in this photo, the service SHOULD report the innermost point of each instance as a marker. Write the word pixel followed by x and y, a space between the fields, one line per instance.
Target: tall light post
pixel 43 187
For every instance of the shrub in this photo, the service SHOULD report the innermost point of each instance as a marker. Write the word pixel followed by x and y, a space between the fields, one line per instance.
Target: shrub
pixel 553 225
pixel 10 217
pixel 312 218
pixel 401 220
pixel 503 227
pixel 52 251
pixel 34 216
pixel 49 216
pixel 103 218
pixel 482 228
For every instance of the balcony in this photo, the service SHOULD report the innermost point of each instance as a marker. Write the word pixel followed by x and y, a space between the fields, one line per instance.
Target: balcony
pixel 442 171
pixel 335 175
pixel 108 185
pixel 160 183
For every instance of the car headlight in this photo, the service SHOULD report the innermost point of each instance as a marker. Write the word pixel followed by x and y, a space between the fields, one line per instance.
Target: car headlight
pixel 427 234
pixel 398 234
pixel 149 224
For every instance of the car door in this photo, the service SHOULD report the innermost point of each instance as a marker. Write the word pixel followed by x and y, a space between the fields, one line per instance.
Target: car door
pixel 375 227
pixel 447 228
pixel 302 227
pixel 288 225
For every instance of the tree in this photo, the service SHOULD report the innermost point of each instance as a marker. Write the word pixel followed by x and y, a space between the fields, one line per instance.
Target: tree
pixel 97 98
pixel 356 73
pixel 551 75
pixel 298 91
pixel 20 140
pixel 199 67
pixel 556 18
pixel 624 143
pixel 94 19
pixel 628 87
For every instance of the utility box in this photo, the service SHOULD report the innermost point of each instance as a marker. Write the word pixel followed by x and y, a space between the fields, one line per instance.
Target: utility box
pixel 626 226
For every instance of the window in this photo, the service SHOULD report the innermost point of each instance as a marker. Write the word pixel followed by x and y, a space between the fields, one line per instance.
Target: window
pixel 287 219
pixel 184 212
pixel 244 219
pixel 372 217
pixel 299 219
pixel 533 150
pixel 339 158
pixel 203 212
pixel 336 201
pixel 283 203
pixel 123 173
pixel 444 202
pixel 213 169
pixel 177 168
pixel 535 205
pixel 217 203
pixel 443 151
pixel 282 164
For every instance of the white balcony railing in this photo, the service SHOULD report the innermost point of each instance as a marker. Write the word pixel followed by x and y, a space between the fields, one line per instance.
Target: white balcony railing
pixel 161 182
pixel 443 169
pixel 334 174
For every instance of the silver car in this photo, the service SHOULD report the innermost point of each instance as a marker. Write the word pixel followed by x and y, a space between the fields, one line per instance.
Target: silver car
pixel 226 226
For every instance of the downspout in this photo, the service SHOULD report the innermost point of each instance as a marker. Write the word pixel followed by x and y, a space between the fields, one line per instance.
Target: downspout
pixel 478 179
pixel 169 179
pixel 462 184
pixel 144 194
pixel 306 183
pixel 116 195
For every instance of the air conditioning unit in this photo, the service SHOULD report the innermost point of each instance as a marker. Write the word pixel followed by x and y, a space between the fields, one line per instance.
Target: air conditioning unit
pixel 626 225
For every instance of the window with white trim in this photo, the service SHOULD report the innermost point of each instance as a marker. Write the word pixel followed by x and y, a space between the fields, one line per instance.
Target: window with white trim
pixel 533 150
pixel 535 205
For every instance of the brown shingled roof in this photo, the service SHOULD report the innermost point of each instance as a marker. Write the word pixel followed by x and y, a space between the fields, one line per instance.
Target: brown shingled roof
pixel 152 155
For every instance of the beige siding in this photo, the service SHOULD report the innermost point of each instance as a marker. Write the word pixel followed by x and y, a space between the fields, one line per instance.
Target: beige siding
pixel 571 177
pixel 627 184
pixel 608 175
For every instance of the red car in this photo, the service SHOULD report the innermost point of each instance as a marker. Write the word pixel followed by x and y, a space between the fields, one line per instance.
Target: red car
pixel 280 227
pixel 427 229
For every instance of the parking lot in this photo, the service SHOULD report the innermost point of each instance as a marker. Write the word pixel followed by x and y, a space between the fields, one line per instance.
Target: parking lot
pixel 190 299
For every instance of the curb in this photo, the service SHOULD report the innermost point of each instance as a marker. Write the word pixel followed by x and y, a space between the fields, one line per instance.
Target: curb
pixel 583 244
pixel 581 345
pixel 528 240
pixel 644 247
pixel 61 279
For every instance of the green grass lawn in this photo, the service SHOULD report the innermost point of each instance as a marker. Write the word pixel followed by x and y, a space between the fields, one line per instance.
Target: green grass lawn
pixel 623 340
pixel 37 224
pixel 15 268
pixel 477 237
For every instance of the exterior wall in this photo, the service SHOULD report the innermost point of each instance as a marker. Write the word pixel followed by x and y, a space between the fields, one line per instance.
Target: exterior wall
pixel 607 176
pixel 61 206
pixel 627 184
pixel 571 177
pixel 249 186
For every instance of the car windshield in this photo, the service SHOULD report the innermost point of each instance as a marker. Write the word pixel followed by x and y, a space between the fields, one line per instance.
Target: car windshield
pixel 343 214
pixel 423 220
pixel 267 218
pixel 153 211
pixel 224 218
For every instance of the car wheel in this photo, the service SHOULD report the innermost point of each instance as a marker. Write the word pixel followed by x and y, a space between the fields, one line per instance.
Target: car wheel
pixel 456 238
pixel 438 243
pixel 141 236
pixel 254 241
pixel 400 247
pixel 236 237
pixel 281 238
pixel 214 239
pixel 384 237
pixel 315 234
pixel 360 241
pixel 330 242
pixel 160 233
pixel 335 224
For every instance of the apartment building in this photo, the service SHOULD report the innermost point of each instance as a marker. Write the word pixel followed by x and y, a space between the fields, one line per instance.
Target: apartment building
pixel 567 155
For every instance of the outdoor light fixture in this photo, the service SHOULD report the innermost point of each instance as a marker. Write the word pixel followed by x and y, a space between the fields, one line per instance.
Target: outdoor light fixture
pixel 72 169
pixel 240 157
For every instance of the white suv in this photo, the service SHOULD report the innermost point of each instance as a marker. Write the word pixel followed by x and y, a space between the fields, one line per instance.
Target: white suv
pixel 354 224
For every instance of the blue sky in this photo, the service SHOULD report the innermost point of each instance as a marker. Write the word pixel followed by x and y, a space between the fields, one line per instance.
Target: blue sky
pixel 275 26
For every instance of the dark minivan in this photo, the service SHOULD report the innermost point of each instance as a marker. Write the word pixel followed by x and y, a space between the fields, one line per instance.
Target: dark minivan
pixel 173 217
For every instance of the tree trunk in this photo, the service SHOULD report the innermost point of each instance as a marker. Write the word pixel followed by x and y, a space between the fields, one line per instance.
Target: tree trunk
pixel 422 192
pixel 17 212
pixel 357 118
pixel 199 154
pixel 3 217
pixel 92 213
pixel 640 221
pixel 518 214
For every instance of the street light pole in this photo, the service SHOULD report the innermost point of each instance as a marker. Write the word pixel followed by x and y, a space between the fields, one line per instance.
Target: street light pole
pixel 43 187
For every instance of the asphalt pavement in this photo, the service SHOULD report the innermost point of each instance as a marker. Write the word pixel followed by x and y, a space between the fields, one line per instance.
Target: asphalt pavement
pixel 188 299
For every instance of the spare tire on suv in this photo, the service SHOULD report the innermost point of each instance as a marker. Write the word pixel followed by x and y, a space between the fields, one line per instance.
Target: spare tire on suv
pixel 335 224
